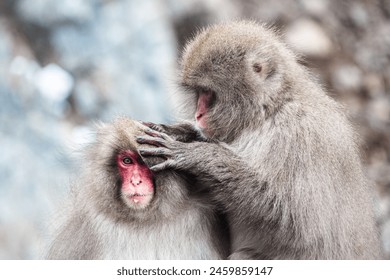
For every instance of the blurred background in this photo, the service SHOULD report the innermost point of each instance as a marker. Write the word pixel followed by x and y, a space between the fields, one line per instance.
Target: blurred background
pixel 65 64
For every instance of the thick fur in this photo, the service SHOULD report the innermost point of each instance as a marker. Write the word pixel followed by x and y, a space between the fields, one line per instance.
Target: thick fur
pixel 178 224
pixel 286 169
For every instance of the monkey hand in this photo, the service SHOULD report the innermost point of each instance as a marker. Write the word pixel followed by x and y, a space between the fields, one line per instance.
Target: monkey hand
pixel 178 155
pixel 183 132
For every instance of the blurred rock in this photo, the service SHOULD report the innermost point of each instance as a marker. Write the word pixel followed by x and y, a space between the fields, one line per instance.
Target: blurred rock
pixel 374 84
pixel 88 99
pixel 346 77
pixel 54 84
pixel 380 109
pixel 359 14
pixel 308 38
pixel 48 12
pixel 316 7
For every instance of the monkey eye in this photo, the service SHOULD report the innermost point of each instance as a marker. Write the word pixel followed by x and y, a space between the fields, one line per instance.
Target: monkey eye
pixel 127 160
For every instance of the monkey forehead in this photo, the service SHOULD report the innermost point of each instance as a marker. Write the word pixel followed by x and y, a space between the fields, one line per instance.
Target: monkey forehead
pixel 225 44
pixel 122 132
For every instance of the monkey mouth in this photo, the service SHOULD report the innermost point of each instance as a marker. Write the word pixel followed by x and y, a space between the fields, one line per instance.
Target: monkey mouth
pixel 205 100
pixel 137 195
pixel 138 198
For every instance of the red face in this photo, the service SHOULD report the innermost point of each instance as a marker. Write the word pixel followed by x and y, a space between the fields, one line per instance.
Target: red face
pixel 204 102
pixel 137 180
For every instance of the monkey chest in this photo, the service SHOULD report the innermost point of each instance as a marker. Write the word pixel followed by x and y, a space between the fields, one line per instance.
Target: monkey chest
pixel 166 241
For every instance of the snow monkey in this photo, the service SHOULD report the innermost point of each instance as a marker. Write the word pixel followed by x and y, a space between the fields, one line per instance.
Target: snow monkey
pixel 274 150
pixel 120 209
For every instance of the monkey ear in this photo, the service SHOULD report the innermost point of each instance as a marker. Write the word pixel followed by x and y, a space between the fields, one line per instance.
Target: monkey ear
pixel 265 69
pixel 257 67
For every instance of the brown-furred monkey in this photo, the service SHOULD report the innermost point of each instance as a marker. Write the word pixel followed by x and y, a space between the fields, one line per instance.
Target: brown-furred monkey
pixel 281 157
pixel 121 210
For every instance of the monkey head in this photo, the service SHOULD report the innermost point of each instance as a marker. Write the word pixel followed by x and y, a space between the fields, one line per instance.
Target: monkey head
pixel 121 173
pixel 231 70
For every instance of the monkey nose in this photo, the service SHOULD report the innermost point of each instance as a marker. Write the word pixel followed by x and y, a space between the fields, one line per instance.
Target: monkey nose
pixel 136 182
pixel 136 179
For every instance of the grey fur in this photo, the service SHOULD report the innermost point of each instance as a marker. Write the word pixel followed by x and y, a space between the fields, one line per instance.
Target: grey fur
pixel 286 166
pixel 178 224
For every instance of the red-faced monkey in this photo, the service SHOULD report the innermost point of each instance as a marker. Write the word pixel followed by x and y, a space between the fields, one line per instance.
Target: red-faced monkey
pixel 121 210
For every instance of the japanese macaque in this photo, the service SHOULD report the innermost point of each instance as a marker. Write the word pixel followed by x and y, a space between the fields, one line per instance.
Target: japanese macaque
pixel 121 210
pixel 275 152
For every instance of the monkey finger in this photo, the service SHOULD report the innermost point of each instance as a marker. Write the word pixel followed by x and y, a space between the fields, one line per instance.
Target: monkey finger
pixel 158 134
pixel 168 164
pixel 149 124
pixel 152 132
pixel 154 141
pixel 160 152
pixel 153 126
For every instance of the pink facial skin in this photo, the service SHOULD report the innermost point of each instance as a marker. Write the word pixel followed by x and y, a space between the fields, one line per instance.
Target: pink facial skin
pixel 204 101
pixel 137 180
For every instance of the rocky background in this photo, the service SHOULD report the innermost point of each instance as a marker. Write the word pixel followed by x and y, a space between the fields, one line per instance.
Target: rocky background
pixel 65 64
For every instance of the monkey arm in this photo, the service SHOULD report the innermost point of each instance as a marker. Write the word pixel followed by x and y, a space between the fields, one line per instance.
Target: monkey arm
pixel 219 168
